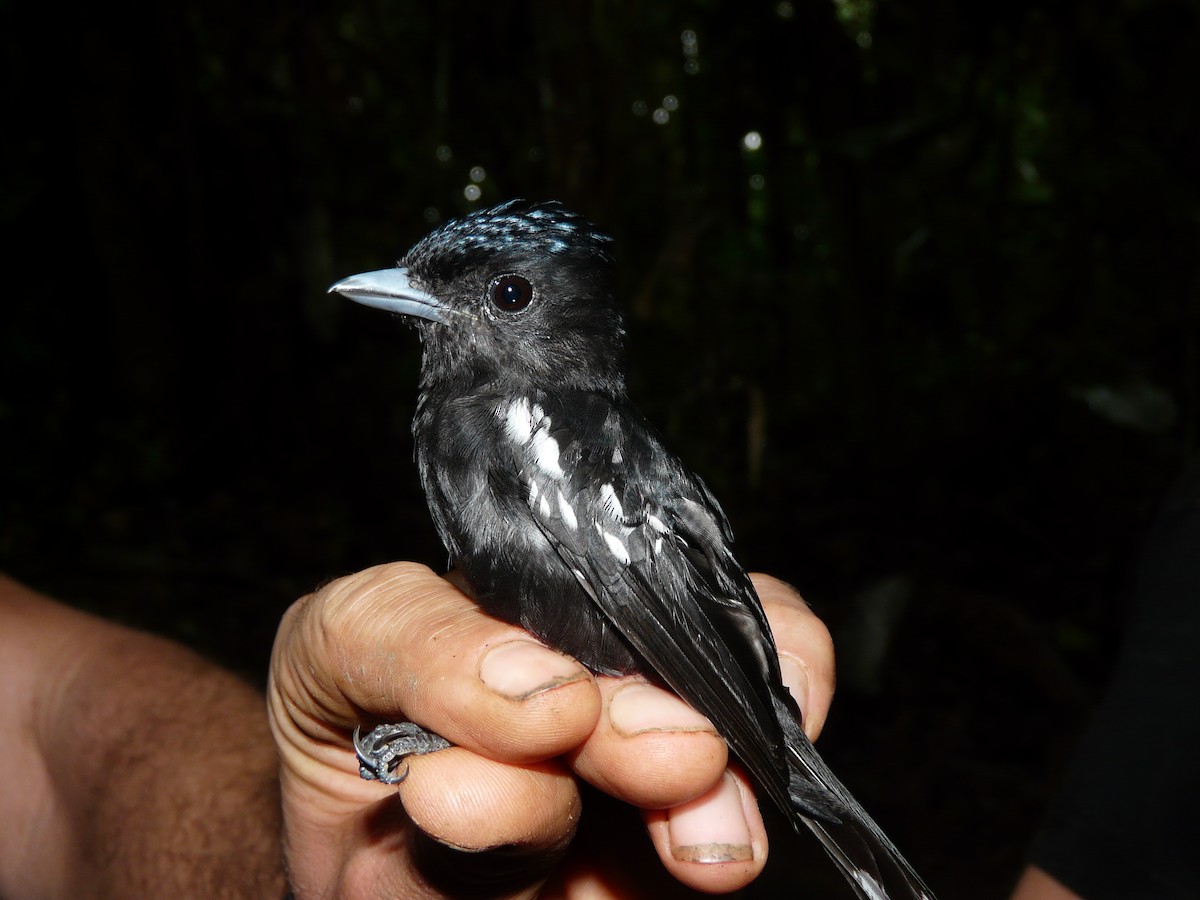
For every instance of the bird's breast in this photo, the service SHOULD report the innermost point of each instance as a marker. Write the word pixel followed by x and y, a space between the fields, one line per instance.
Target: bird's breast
pixel 481 459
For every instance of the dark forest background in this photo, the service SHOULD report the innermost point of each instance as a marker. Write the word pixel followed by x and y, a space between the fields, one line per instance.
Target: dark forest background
pixel 915 287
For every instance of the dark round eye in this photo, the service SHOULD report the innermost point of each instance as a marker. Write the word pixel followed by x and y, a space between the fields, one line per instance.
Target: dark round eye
pixel 510 293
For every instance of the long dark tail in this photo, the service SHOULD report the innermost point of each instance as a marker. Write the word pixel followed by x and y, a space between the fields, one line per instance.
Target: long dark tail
pixel 863 854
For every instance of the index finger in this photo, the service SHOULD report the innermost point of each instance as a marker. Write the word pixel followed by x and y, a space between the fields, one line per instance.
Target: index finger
pixel 397 642
pixel 806 659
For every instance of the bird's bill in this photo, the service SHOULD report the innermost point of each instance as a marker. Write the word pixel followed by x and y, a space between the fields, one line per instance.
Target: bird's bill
pixel 390 289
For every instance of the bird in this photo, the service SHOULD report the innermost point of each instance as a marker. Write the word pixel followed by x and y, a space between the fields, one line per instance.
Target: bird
pixel 569 517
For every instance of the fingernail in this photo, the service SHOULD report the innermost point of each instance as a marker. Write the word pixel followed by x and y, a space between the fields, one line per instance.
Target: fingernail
pixel 638 708
pixel 711 828
pixel 795 679
pixel 520 669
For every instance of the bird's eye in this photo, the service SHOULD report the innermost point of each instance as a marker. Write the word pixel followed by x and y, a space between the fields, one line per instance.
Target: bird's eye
pixel 510 293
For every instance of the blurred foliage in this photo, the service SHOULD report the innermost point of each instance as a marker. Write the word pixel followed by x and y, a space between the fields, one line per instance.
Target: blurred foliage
pixel 883 263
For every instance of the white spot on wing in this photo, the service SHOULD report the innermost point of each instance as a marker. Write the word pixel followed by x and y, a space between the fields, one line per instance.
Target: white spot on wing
pixel 533 492
pixel 545 452
pixel 584 583
pixel 529 425
pixel 615 547
pixel 612 505
pixel 568 514
pixel 544 507
pixel 617 458
pixel 656 523
pixel 518 423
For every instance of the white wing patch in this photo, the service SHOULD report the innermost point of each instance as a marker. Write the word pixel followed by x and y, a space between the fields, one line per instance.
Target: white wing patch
pixel 528 425
pixel 659 527
pixel 540 503
pixel 615 547
pixel 517 419
pixel 584 583
pixel 545 450
pixel 612 506
pixel 567 513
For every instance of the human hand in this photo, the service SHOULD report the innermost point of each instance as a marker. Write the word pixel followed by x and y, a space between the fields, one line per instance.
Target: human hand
pixel 135 768
pixel 501 807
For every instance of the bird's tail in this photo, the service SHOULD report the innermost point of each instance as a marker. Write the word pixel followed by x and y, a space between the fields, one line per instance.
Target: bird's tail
pixel 867 884
pixel 864 855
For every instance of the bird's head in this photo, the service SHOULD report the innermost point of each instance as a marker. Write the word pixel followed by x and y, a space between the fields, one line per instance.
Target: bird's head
pixel 520 291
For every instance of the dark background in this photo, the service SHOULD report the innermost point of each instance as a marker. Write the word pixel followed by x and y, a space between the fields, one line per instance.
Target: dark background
pixel 935 344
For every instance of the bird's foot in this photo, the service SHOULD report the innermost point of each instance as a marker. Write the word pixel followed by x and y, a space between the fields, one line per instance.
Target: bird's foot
pixel 381 751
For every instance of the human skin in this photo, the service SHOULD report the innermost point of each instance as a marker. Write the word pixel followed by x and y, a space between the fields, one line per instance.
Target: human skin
pixel 503 805
pixel 133 767
pixel 137 768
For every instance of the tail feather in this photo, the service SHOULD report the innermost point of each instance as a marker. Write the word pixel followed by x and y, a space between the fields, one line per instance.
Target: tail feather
pixel 867 884
pixel 866 857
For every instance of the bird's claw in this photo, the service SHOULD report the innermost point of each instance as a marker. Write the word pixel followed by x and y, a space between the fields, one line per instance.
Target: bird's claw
pixel 382 749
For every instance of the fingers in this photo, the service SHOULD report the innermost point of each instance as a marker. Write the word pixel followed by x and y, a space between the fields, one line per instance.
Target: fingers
pixel 473 803
pixel 715 843
pixel 398 642
pixel 805 650
pixel 652 750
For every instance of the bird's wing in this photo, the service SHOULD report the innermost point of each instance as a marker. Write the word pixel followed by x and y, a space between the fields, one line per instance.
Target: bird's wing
pixel 650 546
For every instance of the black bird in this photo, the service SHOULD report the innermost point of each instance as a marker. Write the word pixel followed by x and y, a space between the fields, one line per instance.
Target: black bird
pixel 569 517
